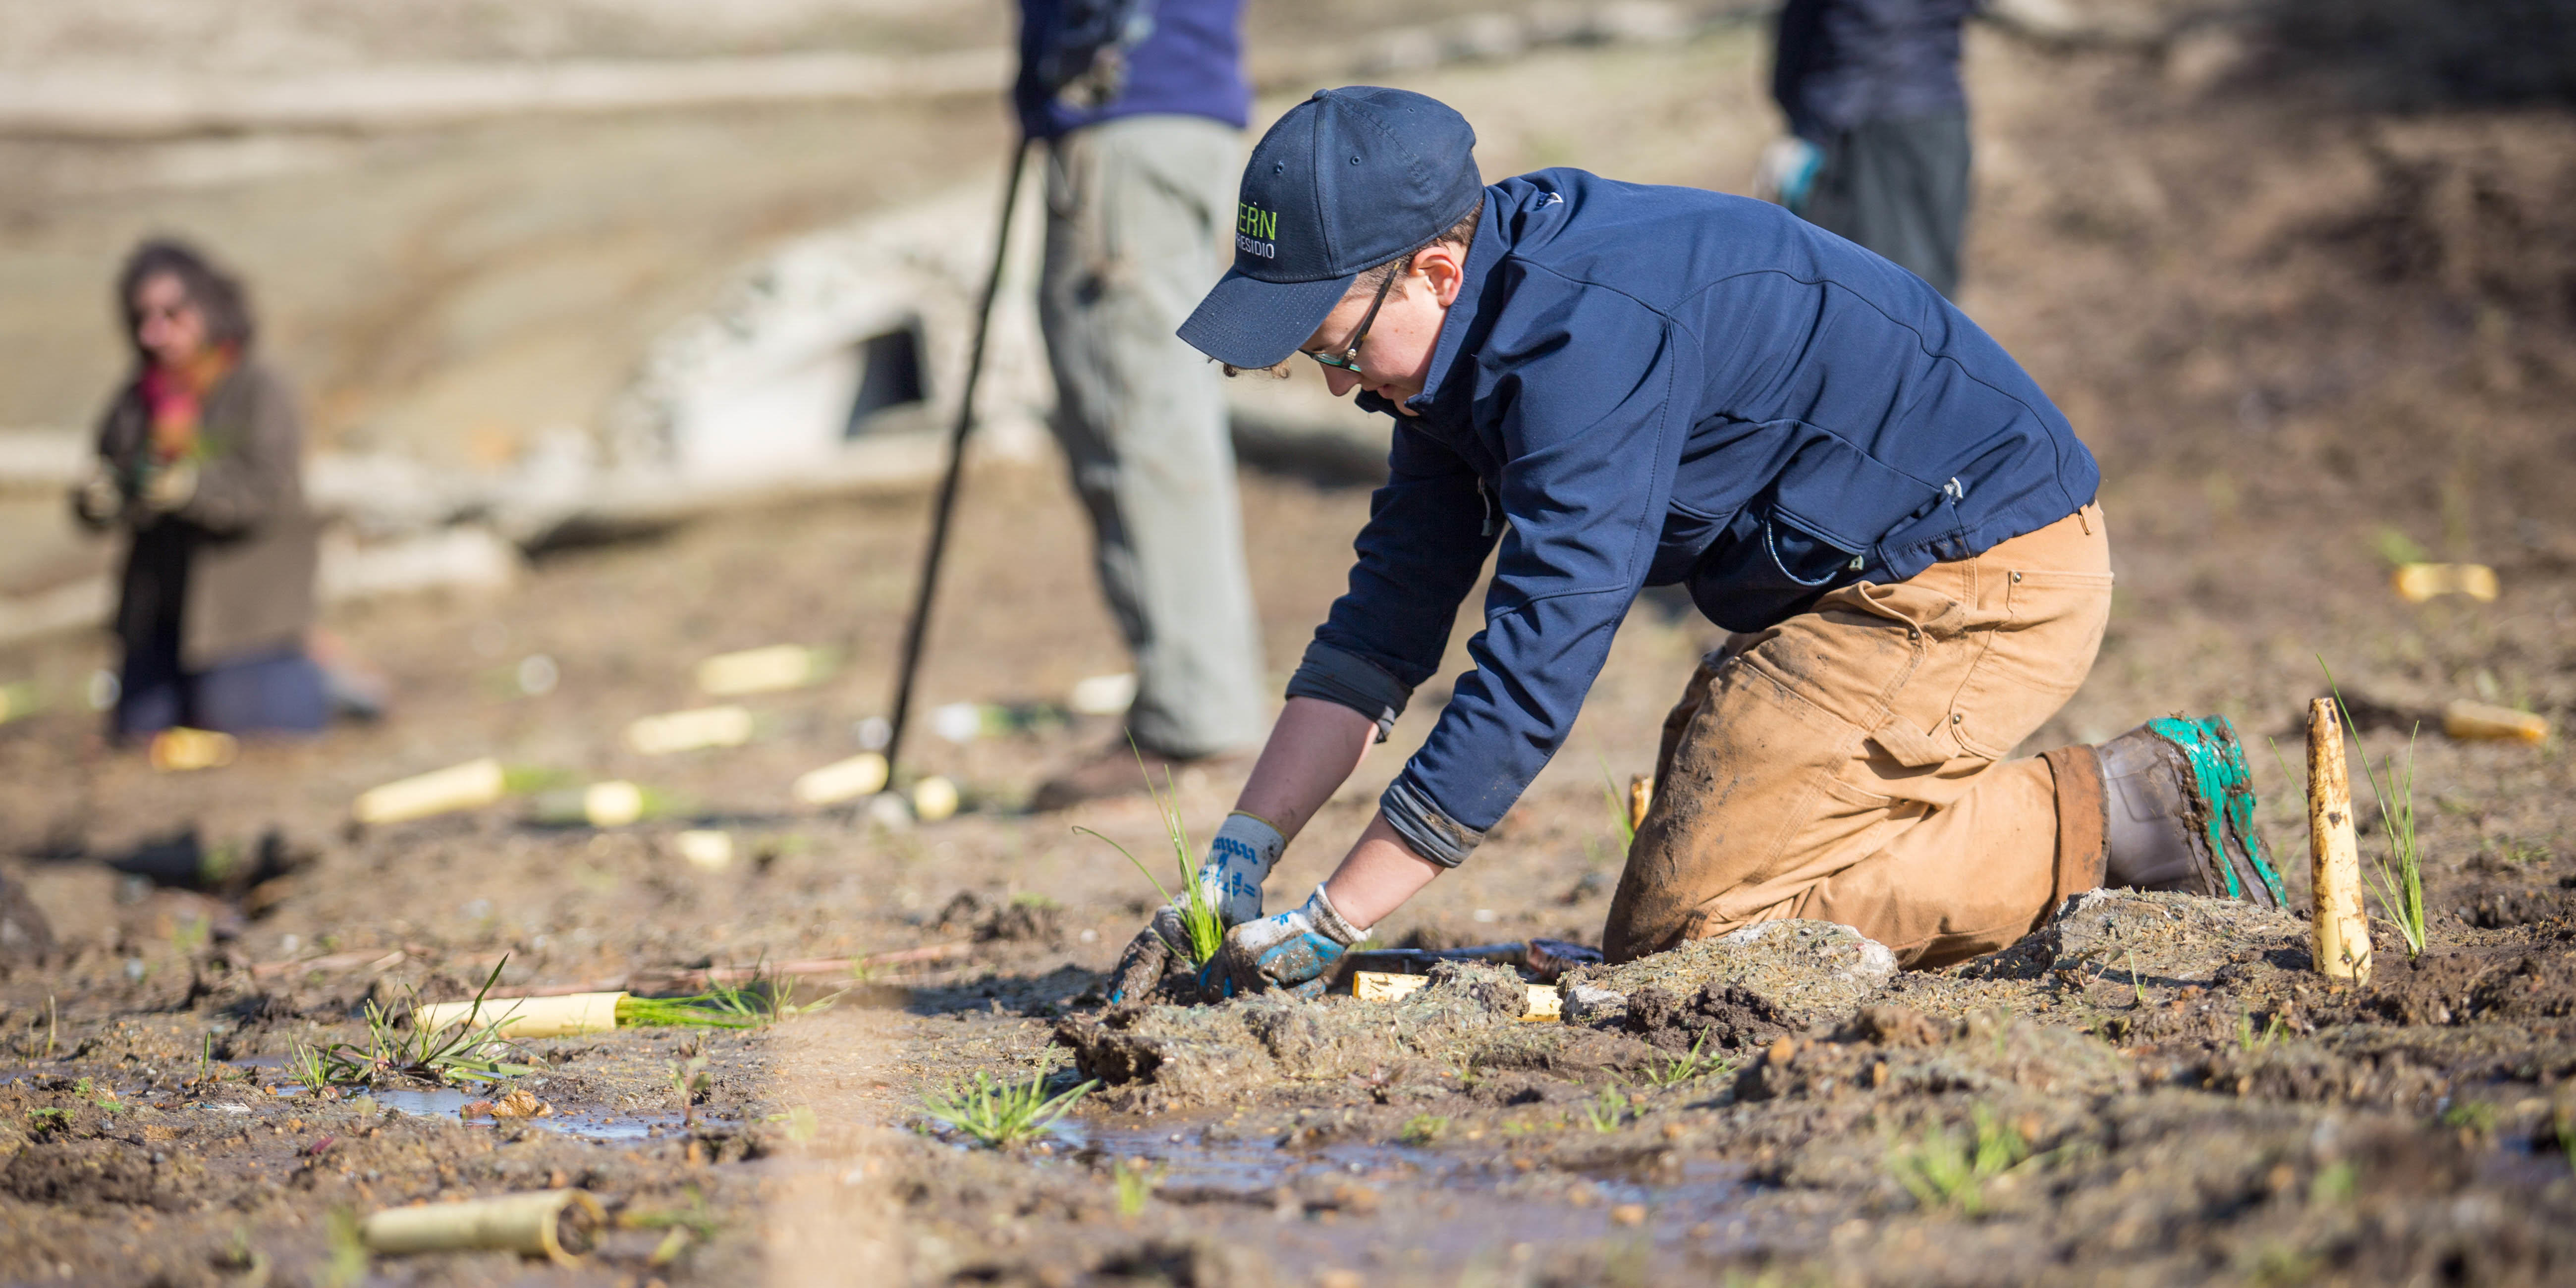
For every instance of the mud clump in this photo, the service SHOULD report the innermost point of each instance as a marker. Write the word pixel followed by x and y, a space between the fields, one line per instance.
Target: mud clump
pixel 1719 1016
pixel 2517 983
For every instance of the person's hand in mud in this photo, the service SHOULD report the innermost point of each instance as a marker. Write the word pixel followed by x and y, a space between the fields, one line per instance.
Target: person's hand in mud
pixel 1245 849
pixel 1295 950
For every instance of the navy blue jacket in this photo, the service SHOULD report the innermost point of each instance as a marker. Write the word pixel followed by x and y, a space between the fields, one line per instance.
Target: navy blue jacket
pixel 1843 62
pixel 1642 386
pixel 1192 65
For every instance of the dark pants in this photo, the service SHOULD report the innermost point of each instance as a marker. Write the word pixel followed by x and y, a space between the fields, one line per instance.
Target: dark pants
pixel 1899 188
pixel 276 690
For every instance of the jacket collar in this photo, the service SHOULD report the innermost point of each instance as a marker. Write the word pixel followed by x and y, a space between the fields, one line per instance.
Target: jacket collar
pixel 1443 396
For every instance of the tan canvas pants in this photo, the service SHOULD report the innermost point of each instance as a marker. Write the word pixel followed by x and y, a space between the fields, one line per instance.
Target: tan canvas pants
pixel 1843 765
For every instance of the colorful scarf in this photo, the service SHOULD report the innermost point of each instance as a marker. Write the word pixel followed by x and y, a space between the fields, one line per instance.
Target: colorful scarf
pixel 175 397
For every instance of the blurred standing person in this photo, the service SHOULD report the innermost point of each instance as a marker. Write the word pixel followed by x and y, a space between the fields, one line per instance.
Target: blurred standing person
pixel 1878 124
pixel 200 462
pixel 1140 104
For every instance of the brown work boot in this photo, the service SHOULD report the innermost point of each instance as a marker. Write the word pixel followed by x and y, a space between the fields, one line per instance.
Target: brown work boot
pixel 1115 771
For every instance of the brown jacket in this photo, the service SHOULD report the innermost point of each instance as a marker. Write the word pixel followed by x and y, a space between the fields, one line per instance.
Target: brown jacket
pixel 236 562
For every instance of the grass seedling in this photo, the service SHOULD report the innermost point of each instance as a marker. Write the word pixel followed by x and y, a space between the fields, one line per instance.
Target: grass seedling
pixel 1000 1114
pixel 720 1008
pixel 2137 983
pixel 696 1222
pixel 448 1054
pixel 306 1067
pixel 51 1025
pixel 1135 1183
pixel 687 1080
pixel 1606 1111
pixel 2248 1041
pixel 1199 919
pixel 1690 1067
pixel 1627 831
pixel 1423 1129
pixel 48 1118
pixel 1950 1169
pixel 2401 878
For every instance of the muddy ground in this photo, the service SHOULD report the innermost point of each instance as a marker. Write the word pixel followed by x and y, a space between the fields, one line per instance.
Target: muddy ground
pixel 2297 332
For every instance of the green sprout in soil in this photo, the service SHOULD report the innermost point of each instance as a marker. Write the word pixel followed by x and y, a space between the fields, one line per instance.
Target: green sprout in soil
pixel 47 1118
pixel 1690 1067
pixel 2249 1041
pixel 2401 887
pixel 312 1068
pixel 687 1080
pixel 1199 919
pixel 1423 1129
pixel 2473 1115
pixel 2137 982
pixel 1606 1111
pixel 1950 1169
pixel 447 1054
pixel 696 1222
pixel 1000 1114
pixel 1135 1182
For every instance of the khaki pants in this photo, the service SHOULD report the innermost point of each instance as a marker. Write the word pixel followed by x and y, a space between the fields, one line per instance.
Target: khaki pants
pixel 1138 209
pixel 1844 765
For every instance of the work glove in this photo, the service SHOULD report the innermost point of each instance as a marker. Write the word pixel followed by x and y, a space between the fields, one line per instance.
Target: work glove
pixel 1787 172
pixel 1295 950
pixel 1238 860
pixel 99 500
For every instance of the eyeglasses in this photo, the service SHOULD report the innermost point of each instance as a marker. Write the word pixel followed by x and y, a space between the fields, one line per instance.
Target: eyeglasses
pixel 1350 356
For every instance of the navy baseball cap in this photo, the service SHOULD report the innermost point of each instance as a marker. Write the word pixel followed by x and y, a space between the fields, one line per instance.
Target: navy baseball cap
pixel 1346 181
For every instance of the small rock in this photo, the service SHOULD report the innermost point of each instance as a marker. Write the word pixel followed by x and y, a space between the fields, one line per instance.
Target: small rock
pixel 1628 1214
pixel 1588 1003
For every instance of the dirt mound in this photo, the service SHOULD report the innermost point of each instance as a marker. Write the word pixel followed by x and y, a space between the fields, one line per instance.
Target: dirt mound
pixel 1468 1017
pixel 87 1173
pixel 2531 984
pixel 1803 971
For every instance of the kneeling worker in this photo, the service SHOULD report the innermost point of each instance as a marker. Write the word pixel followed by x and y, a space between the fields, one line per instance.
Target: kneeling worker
pixel 1625 386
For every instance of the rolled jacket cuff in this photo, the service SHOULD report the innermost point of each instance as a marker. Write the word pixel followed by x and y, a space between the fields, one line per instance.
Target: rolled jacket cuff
pixel 1426 828
pixel 1347 679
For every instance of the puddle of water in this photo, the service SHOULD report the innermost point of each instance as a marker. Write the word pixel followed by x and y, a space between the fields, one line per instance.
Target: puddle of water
pixel 1479 1215
pixel 445 1101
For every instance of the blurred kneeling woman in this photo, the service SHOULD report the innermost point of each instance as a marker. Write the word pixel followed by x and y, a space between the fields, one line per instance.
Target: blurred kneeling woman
pixel 201 463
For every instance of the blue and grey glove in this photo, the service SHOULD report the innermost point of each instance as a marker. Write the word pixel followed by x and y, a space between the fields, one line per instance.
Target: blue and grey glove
pixel 1787 172
pixel 1295 950
pixel 1238 860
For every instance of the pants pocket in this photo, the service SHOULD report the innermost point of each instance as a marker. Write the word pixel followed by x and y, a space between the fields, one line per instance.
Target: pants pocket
pixel 2037 658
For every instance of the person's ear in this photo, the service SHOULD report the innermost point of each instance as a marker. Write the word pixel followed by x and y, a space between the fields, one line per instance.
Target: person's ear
pixel 1443 271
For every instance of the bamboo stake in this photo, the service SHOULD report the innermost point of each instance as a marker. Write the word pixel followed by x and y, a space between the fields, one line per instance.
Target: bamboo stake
pixel 555 1224
pixel 2334 853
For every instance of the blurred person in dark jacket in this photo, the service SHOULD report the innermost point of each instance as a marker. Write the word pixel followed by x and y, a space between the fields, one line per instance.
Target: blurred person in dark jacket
pixel 1878 127
pixel 1140 104
pixel 200 463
